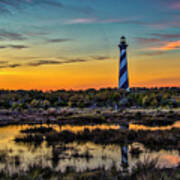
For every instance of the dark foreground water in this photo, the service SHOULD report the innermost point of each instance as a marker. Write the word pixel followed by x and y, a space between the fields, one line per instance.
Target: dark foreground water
pixel 18 157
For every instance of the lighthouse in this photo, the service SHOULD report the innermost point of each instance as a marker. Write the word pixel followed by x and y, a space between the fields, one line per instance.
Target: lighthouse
pixel 123 65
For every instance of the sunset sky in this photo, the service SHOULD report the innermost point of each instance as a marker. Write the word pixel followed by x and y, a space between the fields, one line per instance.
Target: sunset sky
pixel 73 44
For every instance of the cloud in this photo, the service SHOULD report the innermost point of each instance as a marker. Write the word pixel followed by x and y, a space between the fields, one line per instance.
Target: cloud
pixel 175 23
pixel 81 21
pixel 14 65
pixel 6 6
pixel 17 46
pixel 21 4
pixel 3 62
pixel 3 47
pixel 95 20
pixel 6 35
pixel 49 2
pixel 169 46
pixel 166 36
pixel 44 62
pixel 14 47
pixel 58 40
pixel 163 25
pixel 160 42
pixel 44 2
pixel 75 60
pixel 165 46
pixel 158 46
pixel 175 5
pixel 54 62
pixel 10 66
pixel 37 63
pixel 100 57
pixel 147 40
pixel 152 53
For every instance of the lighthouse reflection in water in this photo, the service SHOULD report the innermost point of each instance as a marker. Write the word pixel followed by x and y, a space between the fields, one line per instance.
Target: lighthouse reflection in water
pixel 124 150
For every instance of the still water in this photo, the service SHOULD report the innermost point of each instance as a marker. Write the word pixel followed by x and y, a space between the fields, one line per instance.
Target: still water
pixel 18 157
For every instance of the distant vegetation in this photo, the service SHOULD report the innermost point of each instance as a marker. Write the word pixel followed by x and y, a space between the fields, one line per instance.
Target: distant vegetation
pixel 137 97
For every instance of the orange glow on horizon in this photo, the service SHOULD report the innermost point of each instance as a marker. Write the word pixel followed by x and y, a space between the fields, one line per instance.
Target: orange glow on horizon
pixel 143 72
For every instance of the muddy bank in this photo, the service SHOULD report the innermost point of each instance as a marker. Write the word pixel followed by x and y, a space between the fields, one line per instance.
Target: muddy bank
pixel 88 116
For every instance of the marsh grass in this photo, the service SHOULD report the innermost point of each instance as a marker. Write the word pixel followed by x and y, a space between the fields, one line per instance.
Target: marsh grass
pixel 155 140
pixel 40 129
pixel 30 139
pixel 85 155
pixel 145 166
pixel 148 170
pixel 135 151
pixel 142 170
pixel 3 156
pixel 155 123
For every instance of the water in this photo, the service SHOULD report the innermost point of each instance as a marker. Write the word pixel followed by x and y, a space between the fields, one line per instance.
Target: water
pixel 154 128
pixel 22 156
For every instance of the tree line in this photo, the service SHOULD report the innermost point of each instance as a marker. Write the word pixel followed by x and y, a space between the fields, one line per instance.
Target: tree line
pixel 91 98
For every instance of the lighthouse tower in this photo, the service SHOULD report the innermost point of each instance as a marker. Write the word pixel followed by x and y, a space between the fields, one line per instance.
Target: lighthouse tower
pixel 123 66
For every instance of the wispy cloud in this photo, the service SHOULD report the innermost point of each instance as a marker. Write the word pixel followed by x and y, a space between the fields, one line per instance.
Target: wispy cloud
pixel 17 46
pixel 3 47
pixel 175 23
pixel 100 57
pixel 54 62
pixel 160 44
pixel 6 35
pixel 44 62
pixel 14 65
pixel 47 2
pixel 3 62
pixel 175 5
pixel 10 66
pixel 147 40
pixel 19 3
pixel 81 21
pixel 58 40
pixel 6 5
pixel 14 47
pixel 152 53
pixel 75 60
pixel 164 47
pixel 96 20
pixel 160 39
pixel 169 46
pixel 166 36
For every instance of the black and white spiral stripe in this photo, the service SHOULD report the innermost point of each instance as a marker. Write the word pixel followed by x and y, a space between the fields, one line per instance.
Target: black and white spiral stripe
pixel 124 156
pixel 123 73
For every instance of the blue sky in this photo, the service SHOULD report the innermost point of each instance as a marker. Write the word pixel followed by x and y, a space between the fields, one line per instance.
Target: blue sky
pixel 38 33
